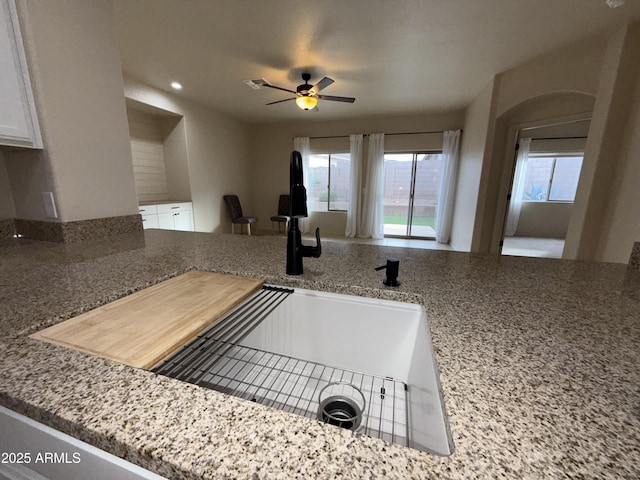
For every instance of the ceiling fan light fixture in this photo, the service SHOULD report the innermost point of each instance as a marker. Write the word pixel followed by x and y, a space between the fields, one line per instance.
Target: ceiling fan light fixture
pixel 306 102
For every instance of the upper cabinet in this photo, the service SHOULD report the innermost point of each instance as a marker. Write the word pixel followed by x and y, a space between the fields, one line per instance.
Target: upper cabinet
pixel 18 119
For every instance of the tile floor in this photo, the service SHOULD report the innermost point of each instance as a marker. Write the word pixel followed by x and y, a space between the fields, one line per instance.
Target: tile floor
pixel 533 247
pixel 387 241
pixel 513 246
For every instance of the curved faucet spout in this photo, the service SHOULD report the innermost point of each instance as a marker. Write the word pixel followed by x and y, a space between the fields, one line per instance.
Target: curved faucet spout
pixel 315 252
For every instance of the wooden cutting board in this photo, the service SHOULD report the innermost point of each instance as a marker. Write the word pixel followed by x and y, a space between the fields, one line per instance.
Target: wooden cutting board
pixel 143 328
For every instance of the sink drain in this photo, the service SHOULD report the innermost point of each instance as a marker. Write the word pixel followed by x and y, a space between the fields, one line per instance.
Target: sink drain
pixel 341 404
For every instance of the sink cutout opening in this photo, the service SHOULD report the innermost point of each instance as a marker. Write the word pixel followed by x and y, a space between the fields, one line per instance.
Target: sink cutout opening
pixel 292 360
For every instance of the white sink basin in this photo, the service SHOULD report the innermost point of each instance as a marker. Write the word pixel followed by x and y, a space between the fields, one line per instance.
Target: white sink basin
pixel 358 363
pixel 378 337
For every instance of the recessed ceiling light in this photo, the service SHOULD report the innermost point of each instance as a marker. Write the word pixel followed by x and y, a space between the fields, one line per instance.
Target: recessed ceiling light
pixel 176 86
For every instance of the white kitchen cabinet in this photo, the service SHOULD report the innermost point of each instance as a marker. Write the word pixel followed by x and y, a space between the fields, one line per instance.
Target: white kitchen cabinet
pixel 178 220
pixel 30 443
pixel 18 118
pixel 168 216
pixel 165 221
pixel 183 221
pixel 150 221
pixel 148 210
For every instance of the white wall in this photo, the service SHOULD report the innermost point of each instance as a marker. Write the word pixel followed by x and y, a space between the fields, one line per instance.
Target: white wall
pixel 472 153
pixel 621 223
pixel 217 155
pixel 603 192
pixel 272 143
pixel 76 74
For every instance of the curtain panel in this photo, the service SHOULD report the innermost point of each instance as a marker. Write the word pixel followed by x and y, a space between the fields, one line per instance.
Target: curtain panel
pixel 373 207
pixel 517 191
pixel 354 212
pixel 448 177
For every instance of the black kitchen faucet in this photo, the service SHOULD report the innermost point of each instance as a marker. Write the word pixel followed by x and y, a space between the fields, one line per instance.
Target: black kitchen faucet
pixel 295 249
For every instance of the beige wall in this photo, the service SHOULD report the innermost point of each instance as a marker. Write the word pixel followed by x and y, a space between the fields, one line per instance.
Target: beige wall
pixel 472 154
pixel 176 158
pixel 218 159
pixel 603 192
pixel 621 222
pixel 551 87
pixel 572 68
pixel 272 143
pixel 621 227
pixel 7 208
pixel 544 219
pixel 76 74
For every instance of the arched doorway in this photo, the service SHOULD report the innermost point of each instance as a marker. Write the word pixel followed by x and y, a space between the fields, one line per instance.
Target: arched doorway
pixel 543 191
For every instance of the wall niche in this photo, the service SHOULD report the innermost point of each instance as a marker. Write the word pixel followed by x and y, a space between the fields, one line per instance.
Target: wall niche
pixel 159 154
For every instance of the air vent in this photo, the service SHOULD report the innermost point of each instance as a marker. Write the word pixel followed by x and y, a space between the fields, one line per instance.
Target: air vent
pixel 256 84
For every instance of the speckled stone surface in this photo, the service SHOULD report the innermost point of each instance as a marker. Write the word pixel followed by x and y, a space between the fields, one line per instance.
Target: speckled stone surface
pixel 631 286
pixel 7 228
pixel 634 258
pixel 538 362
pixel 80 230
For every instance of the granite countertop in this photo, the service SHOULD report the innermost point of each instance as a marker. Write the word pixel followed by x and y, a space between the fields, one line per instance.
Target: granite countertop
pixel 538 362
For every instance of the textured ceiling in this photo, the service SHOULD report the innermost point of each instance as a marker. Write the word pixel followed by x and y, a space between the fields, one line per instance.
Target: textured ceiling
pixel 394 56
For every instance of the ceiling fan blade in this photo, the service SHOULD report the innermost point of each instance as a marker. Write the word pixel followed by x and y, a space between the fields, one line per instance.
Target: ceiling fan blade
pixel 280 101
pixel 315 109
pixel 325 82
pixel 279 88
pixel 337 99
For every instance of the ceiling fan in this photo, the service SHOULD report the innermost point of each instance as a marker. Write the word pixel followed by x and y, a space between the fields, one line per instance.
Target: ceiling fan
pixel 307 96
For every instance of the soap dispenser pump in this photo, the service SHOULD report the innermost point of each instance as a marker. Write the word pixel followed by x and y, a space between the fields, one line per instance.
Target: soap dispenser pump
pixel 392 266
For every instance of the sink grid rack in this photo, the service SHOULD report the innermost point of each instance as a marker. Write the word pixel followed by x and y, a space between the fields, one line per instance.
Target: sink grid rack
pixel 216 360
pixel 293 385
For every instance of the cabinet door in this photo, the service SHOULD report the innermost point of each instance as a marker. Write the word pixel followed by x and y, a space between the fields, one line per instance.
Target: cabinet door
pixel 150 221
pixel 18 119
pixel 147 209
pixel 165 221
pixel 183 221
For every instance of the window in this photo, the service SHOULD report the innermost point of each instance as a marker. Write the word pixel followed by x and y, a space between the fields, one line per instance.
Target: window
pixel 552 178
pixel 411 193
pixel 328 182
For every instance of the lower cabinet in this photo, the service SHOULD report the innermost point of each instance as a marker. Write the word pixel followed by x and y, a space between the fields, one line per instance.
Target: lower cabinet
pixel 168 216
pixel 34 451
pixel 150 221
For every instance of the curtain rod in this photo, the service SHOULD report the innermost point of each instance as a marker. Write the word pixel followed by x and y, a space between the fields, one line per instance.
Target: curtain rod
pixel 386 134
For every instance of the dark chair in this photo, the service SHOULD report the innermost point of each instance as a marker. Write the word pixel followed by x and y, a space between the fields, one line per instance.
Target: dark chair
pixel 284 209
pixel 235 210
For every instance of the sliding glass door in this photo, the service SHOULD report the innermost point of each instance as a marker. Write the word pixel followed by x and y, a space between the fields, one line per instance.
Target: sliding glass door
pixel 411 183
